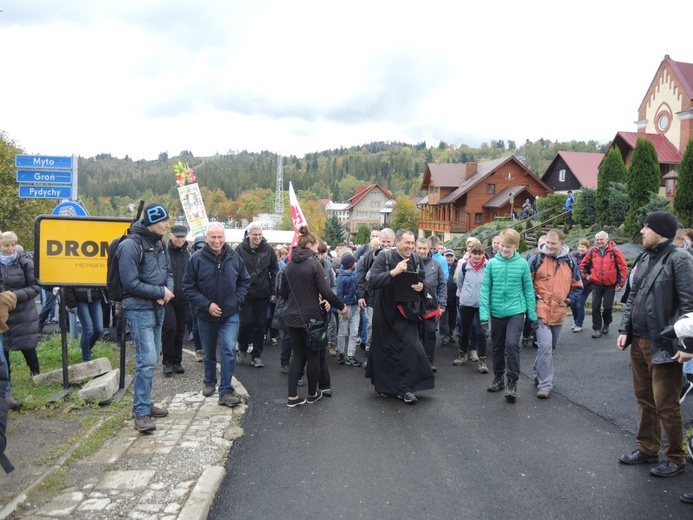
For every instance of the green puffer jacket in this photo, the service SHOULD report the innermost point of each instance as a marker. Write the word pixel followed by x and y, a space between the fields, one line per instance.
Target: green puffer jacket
pixel 507 289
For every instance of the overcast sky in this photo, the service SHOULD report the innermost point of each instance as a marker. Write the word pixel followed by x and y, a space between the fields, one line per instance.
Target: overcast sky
pixel 140 77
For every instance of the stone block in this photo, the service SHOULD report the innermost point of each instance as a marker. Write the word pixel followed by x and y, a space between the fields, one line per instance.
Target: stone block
pixel 76 373
pixel 101 388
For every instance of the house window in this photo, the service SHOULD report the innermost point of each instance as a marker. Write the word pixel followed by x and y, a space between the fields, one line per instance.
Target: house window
pixel 561 175
pixel 490 189
pixel 478 218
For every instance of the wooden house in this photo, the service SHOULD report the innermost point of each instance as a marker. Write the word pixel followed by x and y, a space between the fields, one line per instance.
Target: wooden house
pixel 463 196
pixel 572 171
pixel 365 207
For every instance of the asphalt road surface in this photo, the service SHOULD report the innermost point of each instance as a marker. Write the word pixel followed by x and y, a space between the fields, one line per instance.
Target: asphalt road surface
pixel 461 452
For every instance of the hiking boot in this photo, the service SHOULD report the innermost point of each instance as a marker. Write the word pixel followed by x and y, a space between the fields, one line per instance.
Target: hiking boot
pixel 285 368
pixel 605 330
pixel 497 385
pixel 198 356
pixel 240 356
pixel 351 361
pixel 168 370
pixel 178 368
pixel 525 341
pixel 158 411
pixel 483 369
pixel 543 394
pixel 230 400
pixel 511 391
pixel 144 423
pixel 461 359
pixel 333 350
pixel 12 403
pixel 340 359
pixel 209 390
pixel 596 333
pixel 257 363
pixel 314 398
pixel 473 356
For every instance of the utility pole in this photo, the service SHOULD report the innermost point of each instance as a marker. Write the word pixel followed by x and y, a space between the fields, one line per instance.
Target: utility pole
pixel 279 189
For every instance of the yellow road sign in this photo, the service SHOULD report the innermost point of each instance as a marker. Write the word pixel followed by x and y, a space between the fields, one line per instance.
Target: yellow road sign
pixel 74 250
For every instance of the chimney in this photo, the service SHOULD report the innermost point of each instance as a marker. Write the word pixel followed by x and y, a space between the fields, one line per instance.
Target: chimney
pixel 469 169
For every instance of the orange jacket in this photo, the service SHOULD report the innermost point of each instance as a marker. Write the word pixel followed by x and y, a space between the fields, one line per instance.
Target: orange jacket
pixel 555 281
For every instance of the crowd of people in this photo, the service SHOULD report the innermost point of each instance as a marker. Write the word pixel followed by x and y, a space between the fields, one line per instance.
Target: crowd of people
pixel 394 296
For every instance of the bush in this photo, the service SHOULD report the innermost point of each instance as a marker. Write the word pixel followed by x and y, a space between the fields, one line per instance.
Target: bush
pixel 584 213
pixel 552 200
pixel 617 205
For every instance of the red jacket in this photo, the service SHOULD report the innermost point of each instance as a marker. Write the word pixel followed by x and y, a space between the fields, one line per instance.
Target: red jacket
pixel 607 269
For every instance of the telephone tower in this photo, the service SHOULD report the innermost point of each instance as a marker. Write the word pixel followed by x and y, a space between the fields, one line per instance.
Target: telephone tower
pixel 279 189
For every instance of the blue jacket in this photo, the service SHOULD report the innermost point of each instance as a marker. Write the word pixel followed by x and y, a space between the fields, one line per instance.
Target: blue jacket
pixel 144 281
pixel 346 287
pixel 221 279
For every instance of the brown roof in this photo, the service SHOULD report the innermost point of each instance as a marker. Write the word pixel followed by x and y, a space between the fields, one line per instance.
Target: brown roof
pixel 361 192
pixel 445 175
pixel 584 165
pixel 684 71
pixel 501 198
pixel 667 153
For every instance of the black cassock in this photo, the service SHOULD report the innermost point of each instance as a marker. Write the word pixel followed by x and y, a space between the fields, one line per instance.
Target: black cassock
pixel 397 363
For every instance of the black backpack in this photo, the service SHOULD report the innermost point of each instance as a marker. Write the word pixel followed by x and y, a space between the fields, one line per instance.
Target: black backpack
pixel 116 292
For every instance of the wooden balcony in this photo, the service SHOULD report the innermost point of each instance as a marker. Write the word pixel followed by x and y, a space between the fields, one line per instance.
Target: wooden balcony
pixel 443 226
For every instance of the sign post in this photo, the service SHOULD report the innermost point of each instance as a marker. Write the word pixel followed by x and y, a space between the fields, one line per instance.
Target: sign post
pixel 46 176
pixel 73 251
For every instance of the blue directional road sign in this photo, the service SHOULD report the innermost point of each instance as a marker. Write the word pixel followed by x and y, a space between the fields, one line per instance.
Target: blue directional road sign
pixel 43 162
pixel 45 192
pixel 44 176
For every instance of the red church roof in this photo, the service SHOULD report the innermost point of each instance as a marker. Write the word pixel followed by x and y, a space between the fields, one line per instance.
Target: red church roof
pixel 667 153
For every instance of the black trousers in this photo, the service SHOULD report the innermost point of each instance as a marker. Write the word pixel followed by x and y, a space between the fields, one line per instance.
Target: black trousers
pixel 602 295
pixel 173 331
pixel 253 322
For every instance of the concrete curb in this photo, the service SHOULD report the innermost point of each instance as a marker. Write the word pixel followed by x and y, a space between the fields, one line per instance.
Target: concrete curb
pixel 202 496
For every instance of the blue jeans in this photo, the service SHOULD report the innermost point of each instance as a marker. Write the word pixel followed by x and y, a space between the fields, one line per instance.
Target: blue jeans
pixel 579 308
pixel 145 331
pixel 210 333
pixel 90 316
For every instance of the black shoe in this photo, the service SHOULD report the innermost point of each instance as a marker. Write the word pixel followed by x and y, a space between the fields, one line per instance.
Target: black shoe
pixel 668 469
pixel 497 385
pixel 168 370
pixel 285 368
pixel 638 457
pixel 408 398
pixel 314 398
pixel 178 368
pixel 525 341
pixel 687 498
pixel 292 403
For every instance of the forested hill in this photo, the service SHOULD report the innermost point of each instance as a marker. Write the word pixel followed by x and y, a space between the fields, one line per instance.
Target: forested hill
pixel 108 184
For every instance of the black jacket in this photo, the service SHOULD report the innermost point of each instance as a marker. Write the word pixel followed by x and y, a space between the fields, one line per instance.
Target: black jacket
pixel 261 264
pixel 4 377
pixel 74 295
pixel 304 281
pixel 178 256
pixel 220 279
pixel 18 277
pixel 665 274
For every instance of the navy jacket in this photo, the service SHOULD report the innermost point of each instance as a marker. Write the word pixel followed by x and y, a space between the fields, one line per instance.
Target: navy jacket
pixel 221 279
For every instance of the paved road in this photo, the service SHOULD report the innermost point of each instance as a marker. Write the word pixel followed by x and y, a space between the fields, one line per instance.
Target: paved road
pixel 461 452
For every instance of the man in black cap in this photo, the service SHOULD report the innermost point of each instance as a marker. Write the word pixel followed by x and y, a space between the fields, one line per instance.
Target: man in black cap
pixel 148 284
pixel 662 290
pixel 176 310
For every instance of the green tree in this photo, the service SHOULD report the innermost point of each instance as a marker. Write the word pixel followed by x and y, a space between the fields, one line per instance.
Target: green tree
pixel 17 214
pixel 618 204
pixel 334 231
pixel 643 180
pixel 583 209
pixel 405 214
pixel 612 169
pixel 363 235
pixel 683 200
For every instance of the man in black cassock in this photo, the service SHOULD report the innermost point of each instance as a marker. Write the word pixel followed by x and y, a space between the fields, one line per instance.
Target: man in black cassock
pixel 397 363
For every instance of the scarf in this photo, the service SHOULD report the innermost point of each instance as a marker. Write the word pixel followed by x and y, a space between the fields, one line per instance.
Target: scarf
pixel 479 265
pixel 7 260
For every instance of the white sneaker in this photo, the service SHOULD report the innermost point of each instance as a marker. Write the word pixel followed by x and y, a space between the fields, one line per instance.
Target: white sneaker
pixel 577 329
pixel 687 387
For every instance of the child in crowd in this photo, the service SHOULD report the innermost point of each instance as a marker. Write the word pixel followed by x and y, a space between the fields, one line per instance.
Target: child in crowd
pixel 348 327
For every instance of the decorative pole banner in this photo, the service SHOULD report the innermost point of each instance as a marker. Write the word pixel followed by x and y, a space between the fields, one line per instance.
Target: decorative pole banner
pixel 191 198
pixel 296 216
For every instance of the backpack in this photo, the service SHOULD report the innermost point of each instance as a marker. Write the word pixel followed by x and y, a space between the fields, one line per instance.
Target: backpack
pixel 116 292
pixel 613 255
pixel 539 259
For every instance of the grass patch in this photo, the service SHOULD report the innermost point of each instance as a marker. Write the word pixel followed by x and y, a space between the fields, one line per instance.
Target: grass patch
pixel 35 397
pixel 97 438
pixel 51 486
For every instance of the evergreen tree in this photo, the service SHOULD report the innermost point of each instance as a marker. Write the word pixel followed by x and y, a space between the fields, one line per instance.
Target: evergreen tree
pixel 612 169
pixel 618 204
pixel 363 235
pixel 643 180
pixel 334 231
pixel 683 201
pixel 583 210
